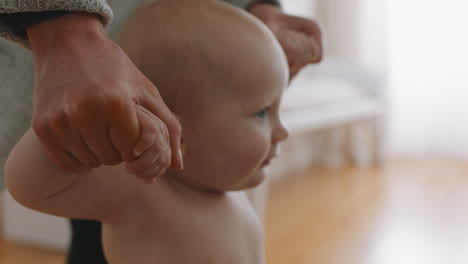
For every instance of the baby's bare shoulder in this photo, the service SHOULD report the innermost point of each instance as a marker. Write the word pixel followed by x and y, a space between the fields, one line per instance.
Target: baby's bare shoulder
pixel 211 229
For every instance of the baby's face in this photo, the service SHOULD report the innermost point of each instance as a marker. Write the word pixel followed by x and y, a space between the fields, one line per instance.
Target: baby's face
pixel 234 133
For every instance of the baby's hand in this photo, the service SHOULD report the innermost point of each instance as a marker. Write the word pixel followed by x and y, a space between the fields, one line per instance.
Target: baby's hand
pixel 153 152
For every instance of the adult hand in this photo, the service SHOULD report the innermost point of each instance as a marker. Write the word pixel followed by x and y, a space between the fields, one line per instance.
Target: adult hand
pixel 92 106
pixel 300 38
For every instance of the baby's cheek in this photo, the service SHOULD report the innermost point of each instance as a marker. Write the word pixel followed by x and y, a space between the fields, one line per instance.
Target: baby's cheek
pixel 256 151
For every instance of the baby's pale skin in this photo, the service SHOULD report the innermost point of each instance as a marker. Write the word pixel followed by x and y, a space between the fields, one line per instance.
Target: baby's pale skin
pixel 163 222
pixel 228 102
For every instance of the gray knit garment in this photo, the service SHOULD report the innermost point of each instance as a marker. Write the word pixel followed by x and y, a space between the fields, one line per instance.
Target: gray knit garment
pixel 99 7
pixel 16 79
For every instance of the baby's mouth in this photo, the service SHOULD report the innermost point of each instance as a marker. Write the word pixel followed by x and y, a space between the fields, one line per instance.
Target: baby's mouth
pixel 267 161
pixel 273 153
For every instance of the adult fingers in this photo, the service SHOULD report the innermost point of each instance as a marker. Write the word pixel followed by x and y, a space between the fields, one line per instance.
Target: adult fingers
pixel 76 146
pixel 312 30
pixel 307 49
pixel 315 50
pixel 73 143
pixel 300 50
pixel 293 71
pixel 309 27
pixel 56 152
pixel 123 128
pixel 95 135
pixel 294 48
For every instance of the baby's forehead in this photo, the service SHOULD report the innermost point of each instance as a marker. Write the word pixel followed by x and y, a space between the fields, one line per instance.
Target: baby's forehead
pixel 215 50
pixel 241 94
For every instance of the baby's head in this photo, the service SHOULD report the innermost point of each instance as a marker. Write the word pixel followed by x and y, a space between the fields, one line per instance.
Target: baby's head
pixel 222 72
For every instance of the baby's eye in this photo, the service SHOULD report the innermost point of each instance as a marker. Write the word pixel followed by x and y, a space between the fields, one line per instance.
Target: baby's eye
pixel 262 113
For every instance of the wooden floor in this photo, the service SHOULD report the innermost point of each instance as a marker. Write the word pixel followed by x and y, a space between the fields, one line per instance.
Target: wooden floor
pixel 407 212
pixel 11 253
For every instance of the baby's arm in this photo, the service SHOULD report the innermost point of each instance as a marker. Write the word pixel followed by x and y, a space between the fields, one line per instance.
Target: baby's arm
pixel 36 182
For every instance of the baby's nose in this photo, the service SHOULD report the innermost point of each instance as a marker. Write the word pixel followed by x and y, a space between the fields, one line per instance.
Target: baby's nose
pixel 280 134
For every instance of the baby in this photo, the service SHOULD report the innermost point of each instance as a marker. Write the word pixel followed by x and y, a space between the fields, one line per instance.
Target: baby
pixel 222 73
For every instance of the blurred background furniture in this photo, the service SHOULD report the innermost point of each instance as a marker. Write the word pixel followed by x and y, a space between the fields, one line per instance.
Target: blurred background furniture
pixel 335 116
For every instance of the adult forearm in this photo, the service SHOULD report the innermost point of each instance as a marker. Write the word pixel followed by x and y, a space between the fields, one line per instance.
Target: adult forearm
pixel 44 37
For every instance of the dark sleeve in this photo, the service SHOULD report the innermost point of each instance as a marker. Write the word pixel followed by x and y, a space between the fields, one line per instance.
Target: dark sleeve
pixel 17 15
pixel 86 243
pixel 246 4
pixel 18 22
pixel 272 2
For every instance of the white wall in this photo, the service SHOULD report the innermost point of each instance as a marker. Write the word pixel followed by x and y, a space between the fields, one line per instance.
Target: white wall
pixel 355 31
pixel 423 45
pixel 374 35
pixel 305 8
pixel 429 77
pixel 30 227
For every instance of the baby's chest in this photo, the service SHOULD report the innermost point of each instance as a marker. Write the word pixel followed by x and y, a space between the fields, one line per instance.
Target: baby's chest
pixel 222 239
pixel 193 235
pixel 234 246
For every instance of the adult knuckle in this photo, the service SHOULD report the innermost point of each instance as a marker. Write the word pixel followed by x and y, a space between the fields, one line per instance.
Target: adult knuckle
pixel 56 123
pixel 115 103
pixel 40 127
pixel 70 111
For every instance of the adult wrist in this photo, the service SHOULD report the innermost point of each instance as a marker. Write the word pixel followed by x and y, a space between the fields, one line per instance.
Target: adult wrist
pixel 64 30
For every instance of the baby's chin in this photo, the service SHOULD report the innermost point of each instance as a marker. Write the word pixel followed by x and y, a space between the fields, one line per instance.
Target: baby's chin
pixel 249 184
pixel 244 183
pixel 252 182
